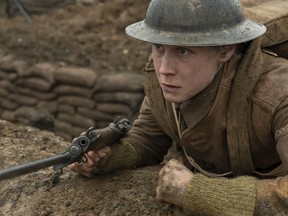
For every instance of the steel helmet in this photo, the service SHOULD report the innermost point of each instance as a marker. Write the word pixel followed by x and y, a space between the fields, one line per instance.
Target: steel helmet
pixel 195 23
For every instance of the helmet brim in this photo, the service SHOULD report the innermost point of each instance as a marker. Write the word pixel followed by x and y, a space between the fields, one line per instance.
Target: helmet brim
pixel 245 31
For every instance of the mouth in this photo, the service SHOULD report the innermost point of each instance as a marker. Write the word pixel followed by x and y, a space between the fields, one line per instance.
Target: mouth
pixel 169 88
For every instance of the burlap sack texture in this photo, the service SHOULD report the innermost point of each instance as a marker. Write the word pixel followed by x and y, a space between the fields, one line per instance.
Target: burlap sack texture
pixel 66 99
pixel 274 15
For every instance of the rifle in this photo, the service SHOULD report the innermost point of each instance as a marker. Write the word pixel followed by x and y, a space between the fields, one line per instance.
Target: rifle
pixel 92 139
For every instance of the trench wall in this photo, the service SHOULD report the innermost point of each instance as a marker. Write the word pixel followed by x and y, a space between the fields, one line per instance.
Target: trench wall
pixel 66 99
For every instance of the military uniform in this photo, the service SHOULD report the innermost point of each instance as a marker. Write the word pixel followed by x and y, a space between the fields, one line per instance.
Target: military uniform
pixel 233 134
pixel 199 127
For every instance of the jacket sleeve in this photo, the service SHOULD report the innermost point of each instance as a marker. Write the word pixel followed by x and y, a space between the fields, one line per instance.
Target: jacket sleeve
pixel 272 194
pixel 244 195
pixel 220 196
pixel 148 138
pixel 145 144
pixel 236 196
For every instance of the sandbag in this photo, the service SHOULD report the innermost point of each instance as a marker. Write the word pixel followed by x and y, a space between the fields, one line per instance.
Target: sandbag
pixel 274 15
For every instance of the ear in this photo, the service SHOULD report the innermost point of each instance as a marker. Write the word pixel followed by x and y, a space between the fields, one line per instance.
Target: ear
pixel 226 52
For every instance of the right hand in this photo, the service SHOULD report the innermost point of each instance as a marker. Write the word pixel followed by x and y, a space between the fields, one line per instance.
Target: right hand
pixel 96 161
pixel 174 178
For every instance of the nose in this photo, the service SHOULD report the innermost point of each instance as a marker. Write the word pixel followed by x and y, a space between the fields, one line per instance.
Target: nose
pixel 167 65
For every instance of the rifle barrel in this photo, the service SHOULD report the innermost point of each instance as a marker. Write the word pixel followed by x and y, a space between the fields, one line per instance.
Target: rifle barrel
pixel 33 166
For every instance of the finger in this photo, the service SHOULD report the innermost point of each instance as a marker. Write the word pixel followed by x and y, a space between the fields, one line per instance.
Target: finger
pixel 105 150
pixel 161 172
pixel 90 162
pixel 73 167
pixel 94 156
pixel 82 167
pixel 158 196
pixel 174 164
pixel 78 168
pixel 93 160
pixel 102 154
pixel 81 170
pixel 164 170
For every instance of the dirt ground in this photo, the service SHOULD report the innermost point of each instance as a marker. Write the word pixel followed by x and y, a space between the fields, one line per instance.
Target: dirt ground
pixel 128 192
pixel 90 35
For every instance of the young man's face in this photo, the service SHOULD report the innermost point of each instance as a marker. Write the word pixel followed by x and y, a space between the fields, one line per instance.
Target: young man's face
pixel 183 72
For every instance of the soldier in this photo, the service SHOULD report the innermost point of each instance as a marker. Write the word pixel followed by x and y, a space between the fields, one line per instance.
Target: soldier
pixel 224 102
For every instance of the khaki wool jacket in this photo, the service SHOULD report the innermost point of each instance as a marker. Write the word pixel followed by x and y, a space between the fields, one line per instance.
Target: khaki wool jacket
pixel 199 127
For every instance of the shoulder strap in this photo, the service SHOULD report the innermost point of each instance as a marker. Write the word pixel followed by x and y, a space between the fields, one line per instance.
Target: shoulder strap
pixel 274 15
pixel 238 117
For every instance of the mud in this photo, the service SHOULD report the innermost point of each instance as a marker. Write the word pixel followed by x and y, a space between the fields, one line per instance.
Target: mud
pixel 45 192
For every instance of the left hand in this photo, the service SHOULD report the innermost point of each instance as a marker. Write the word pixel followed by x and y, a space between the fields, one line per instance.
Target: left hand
pixel 174 178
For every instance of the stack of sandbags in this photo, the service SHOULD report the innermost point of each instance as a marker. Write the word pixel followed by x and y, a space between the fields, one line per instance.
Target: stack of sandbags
pixel 9 68
pixel 118 95
pixel 66 99
pixel 74 89
pixel 35 92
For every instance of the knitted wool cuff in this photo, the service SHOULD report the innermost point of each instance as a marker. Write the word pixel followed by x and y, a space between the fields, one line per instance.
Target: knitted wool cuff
pixel 123 156
pixel 220 196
